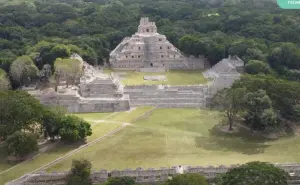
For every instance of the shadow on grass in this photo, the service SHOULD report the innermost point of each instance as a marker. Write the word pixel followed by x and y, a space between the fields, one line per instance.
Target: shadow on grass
pixel 63 148
pixel 243 142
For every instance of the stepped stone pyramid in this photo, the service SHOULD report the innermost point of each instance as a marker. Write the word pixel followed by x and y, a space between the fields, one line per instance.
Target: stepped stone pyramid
pixel 149 49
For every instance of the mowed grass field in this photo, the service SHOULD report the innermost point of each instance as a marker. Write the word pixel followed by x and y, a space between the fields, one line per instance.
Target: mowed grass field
pixel 99 129
pixel 164 137
pixel 168 137
pixel 174 77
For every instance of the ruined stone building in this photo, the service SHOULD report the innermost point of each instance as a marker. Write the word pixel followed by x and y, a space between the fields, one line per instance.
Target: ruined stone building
pixel 149 49
pixel 96 92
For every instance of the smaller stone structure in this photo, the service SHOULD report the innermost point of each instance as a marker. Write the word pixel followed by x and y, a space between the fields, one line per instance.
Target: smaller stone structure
pixel 228 65
pixel 223 74
pixel 97 92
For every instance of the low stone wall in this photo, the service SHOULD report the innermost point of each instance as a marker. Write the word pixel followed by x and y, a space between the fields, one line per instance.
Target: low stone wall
pixel 144 176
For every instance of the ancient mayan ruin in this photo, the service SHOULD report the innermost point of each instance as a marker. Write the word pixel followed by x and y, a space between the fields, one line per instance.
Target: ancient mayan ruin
pixel 96 92
pixel 147 50
pixel 100 92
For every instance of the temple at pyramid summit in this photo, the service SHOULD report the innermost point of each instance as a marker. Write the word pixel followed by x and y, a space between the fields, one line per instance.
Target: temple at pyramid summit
pixel 149 49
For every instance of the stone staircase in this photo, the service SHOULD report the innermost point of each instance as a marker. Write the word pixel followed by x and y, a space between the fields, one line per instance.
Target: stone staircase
pixel 168 96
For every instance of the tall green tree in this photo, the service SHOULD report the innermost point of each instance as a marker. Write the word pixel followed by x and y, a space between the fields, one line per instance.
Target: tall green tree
pixel 4 80
pixel 256 67
pixel 20 144
pixel 284 94
pixel 73 128
pixel 286 54
pixel 67 69
pixel 51 121
pixel 254 173
pixel 23 70
pixel 260 113
pixel 19 111
pixel 80 173
pixel 230 102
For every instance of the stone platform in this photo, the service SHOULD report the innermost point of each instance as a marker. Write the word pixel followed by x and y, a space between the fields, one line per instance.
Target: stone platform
pixel 168 96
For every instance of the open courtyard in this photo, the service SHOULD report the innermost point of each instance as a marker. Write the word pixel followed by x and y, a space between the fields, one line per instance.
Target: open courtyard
pixel 159 137
pixel 173 77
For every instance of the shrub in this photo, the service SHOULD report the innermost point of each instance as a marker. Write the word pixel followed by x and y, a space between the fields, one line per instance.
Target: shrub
pixel 73 129
pixel 120 181
pixel 21 144
pixel 188 179
pixel 80 173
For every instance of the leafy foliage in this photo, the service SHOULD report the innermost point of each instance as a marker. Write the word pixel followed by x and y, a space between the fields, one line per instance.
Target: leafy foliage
pixel 260 113
pixel 254 173
pixel 19 111
pixel 46 30
pixel 21 144
pixel 120 181
pixel 23 70
pixel 68 69
pixel 4 81
pixel 284 94
pixel 256 67
pixel 187 179
pixel 230 101
pixel 80 173
pixel 51 121
pixel 73 129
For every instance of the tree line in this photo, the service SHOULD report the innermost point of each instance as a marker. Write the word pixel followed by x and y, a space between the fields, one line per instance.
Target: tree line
pixel 45 30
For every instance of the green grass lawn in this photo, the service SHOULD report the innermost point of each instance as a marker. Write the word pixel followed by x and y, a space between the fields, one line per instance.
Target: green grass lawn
pixel 99 130
pixel 182 136
pixel 131 115
pixel 167 137
pixel 93 116
pixel 174 77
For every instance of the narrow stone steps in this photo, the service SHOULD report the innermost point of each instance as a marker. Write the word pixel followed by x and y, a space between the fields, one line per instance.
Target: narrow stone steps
pixel 170 105
pixel 167 100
